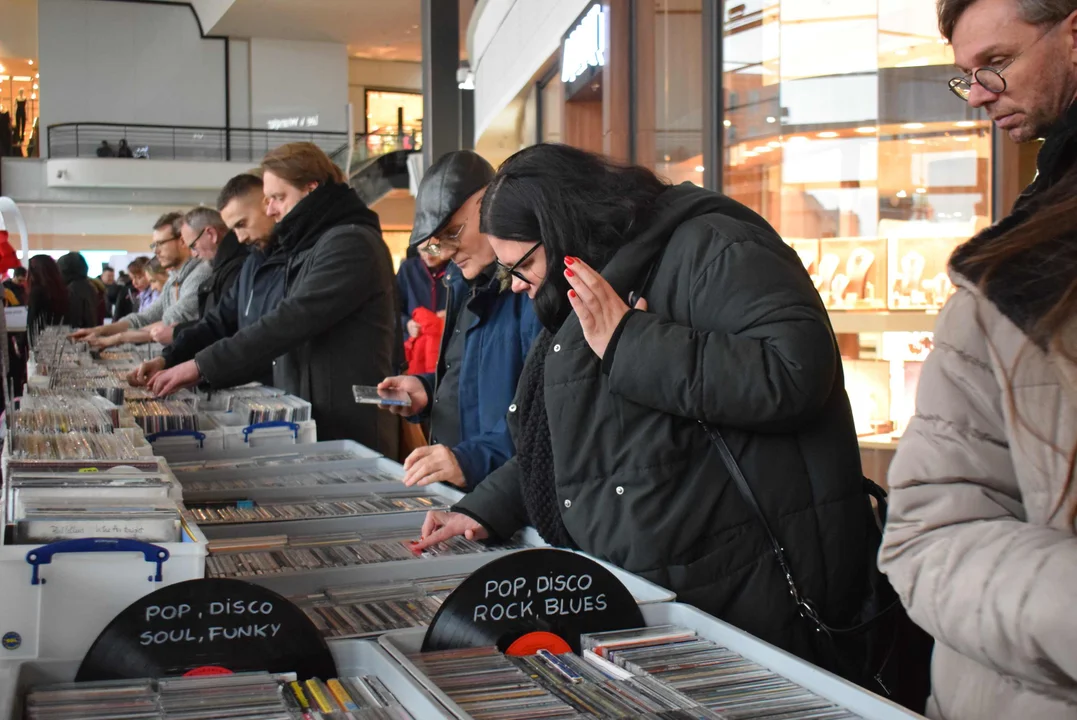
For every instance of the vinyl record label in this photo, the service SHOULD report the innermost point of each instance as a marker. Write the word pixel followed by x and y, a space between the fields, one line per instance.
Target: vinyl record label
pixel 546 590
pixel 229 625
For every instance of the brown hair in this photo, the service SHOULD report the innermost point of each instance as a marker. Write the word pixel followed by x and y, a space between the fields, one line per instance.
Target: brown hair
pixel 153 267
pixel 137 266
pixel 300 164
pixel 1034 12
pixel 173 220
pixel 1047 241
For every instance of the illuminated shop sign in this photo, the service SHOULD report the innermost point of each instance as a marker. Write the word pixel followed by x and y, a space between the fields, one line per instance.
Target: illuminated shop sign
pixel 290 123
pixel 585 46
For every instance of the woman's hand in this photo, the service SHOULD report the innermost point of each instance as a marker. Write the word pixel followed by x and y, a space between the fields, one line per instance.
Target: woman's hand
pixel 440 526
pixel 597 305
pixel 162 334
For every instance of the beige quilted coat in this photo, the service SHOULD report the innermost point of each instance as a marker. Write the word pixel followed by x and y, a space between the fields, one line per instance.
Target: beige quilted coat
pixel 972 544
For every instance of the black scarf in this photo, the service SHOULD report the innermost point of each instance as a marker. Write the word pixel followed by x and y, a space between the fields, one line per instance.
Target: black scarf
pixel 534 452
pixel 326 207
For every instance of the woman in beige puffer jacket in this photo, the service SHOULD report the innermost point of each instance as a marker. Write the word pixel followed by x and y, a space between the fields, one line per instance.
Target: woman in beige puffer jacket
pixel 980 540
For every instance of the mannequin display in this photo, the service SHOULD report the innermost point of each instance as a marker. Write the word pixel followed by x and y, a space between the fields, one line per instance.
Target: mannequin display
pixel 20 116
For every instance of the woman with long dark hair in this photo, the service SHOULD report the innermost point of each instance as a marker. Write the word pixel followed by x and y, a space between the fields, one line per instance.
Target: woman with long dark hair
pixel 980 542
pixel 665 308
pixel 48 294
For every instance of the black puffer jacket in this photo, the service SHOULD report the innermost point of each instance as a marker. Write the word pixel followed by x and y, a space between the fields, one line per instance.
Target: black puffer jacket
pixel 735 335
pixel 336 326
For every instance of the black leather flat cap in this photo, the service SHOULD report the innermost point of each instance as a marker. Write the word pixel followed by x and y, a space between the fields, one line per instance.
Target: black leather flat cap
pixel 446 186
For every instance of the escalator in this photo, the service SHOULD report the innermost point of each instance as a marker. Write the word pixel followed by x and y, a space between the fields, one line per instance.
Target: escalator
pixel 374 177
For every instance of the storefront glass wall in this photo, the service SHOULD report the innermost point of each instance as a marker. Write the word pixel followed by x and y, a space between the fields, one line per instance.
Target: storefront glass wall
pixel 840 131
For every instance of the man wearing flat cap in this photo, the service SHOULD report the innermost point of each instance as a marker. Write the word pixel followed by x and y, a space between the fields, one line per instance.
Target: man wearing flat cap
pixel 488 332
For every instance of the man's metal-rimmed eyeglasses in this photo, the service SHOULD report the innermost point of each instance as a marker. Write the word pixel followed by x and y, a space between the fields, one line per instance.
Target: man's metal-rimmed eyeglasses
pixel 434 249
pixel 989 78
pixel 506 271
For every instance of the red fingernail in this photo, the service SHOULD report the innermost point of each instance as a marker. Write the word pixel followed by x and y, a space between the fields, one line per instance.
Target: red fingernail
pixel 569 273
pixel 569 260
pixel 572 293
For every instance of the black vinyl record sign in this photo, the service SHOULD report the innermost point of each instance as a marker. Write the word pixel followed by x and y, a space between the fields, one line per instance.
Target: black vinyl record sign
pixel 546 590
pixel 208 627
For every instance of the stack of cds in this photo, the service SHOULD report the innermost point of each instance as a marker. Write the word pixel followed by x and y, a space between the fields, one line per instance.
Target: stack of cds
pixel 369 504
pixel 311 479
pixel 156 416
pixel 279 554
pixel 286 408
pixel 355 698
pixel 25 485
pixel 72 446
pixel 94 701
pixel 269 460
pixel 368 610
pixel 84 402
pixel 61 418
pixel 713 676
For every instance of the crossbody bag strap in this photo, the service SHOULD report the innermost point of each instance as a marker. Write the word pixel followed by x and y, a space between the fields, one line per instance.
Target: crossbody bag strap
pixel 804 605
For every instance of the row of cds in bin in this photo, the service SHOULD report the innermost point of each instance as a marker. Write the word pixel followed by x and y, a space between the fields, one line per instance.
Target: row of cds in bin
pixel 367 504
pixel 272 458
pixel 656 672
pixel 311 479
pixel 246 696
pixel 279 554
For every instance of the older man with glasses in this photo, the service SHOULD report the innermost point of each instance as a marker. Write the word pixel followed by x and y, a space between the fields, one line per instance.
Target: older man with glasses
pixel 178 301
pixel 488 332
pixel 1019 63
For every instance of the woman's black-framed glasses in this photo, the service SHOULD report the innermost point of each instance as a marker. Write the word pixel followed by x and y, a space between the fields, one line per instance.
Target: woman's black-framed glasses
pixel 990 78
pixel 506 271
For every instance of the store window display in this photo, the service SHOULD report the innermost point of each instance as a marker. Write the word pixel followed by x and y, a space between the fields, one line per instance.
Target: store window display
pixel 865 165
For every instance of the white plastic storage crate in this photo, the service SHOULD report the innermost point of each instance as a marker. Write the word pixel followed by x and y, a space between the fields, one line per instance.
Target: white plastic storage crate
pixel 238 434
pixel 209 437
pixel 55 599
pixel 402 643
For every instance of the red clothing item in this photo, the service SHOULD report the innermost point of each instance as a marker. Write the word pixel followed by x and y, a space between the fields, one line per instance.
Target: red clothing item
pixel 422 352
pixel 9 260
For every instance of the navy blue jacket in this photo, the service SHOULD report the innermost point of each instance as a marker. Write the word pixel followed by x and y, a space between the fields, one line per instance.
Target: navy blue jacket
pixel 257 292
pixel 419 288
pixel 495 347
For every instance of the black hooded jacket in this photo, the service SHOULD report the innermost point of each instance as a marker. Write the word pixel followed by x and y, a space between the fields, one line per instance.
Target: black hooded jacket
pixel 82 296
pixel 336 326
pixel 735 335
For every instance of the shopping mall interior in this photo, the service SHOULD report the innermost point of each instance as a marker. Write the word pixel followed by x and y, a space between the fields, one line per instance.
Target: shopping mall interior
pixel 831 119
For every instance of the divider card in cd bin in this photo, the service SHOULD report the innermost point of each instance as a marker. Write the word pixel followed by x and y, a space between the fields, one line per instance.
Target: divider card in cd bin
pixel 687 661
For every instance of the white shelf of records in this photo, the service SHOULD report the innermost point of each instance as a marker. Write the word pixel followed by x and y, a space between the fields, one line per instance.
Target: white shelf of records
pixel 724 673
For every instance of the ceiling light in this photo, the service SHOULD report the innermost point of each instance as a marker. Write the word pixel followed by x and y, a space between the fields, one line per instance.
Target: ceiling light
pixel 771 119
pixel 36 75
pixel 965 123
pixel 700 168
pixel 867 130
pixel 963 138
pixel 901 51
pixel 751 154
pixel 22 78
pixel 761 149
pixel 796 139
pixel 726 123
pixel 902 194
pixel 957 214
pixel 913 126
pixel 827 134
pixel 35 86
pixel 916 142
pixel 665 158
pixel 33 96
pixel 921 191
pixel 30 61
pixel 1 68
pixel 774 144
pixel 941 41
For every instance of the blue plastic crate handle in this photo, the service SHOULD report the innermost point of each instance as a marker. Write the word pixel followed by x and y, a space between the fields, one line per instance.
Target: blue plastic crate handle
pixel 294 427
pixel 43 555
pixel 199 436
